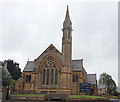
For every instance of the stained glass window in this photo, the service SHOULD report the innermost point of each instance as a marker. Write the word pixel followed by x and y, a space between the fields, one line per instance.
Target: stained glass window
pixel 29 78
pixel 44 77
pixel 56 76
pixel 26 78
pixel 50 62
pixel 52 76
pixel 73 78
pixel 76 78
pixel 47 77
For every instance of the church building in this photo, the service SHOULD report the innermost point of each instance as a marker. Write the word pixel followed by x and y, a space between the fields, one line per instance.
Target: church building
pixel 54 71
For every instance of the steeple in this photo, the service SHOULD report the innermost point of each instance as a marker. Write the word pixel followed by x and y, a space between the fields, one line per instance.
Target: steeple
pixel 67 14
pixel 67 39
pixel 67 52
pixel 67 22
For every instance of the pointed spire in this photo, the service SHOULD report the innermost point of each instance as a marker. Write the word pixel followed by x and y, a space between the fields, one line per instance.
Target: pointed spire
pixel 67 22
pixel 67 14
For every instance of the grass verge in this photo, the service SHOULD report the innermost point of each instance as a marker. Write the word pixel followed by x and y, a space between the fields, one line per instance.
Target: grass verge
pixel 84 96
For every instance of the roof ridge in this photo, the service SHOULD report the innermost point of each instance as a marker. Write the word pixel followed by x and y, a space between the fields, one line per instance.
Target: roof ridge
pixel 91 74
pixel 30 61
pixel 77 60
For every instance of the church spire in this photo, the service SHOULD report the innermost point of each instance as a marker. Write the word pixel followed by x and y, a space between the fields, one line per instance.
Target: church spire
pixel 67 14
pixel 67 39
pixel 67 51
pixel 67 22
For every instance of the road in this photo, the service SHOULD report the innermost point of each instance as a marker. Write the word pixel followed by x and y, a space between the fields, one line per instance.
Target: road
pixel 29 101
pixel 111 100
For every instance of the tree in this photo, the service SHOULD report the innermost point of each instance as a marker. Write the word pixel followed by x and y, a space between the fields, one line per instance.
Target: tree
pixel 13 68
pixel 4 75
pixel 107 80
pixel 5 78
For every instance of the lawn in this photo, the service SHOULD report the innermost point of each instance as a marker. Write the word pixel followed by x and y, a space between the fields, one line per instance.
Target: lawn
pixel 113 97
pixel 84 96
pixel 27 94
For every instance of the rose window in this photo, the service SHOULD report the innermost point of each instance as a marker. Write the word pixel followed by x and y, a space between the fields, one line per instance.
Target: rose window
pixel 50 62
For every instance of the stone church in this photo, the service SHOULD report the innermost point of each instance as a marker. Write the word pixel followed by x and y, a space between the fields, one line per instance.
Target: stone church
pixel 54 71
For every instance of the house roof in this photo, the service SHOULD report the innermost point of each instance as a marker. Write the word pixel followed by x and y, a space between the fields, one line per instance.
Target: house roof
pixel 29 66
pixel 102 86
pixel 91 78
pixel 77 65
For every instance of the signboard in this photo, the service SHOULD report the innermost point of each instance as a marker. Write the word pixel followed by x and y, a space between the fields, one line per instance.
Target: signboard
pixel 85 87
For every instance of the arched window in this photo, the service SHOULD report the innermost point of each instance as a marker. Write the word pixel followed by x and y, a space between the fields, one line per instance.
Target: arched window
pixel 73 78
pixel 56 76
pixel 29 78
pixel 44 76
pixel 47 77
pixel 26 78
pixel 52 76
pixel 76 78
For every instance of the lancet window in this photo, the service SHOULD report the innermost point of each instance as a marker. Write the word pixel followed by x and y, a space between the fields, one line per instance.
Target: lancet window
pixel 52 76
pixel 28 78
pixel 56 76
pixel 75 78
pixel 44 78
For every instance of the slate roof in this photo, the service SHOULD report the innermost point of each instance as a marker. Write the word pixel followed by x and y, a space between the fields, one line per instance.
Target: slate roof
pixel 91 78
pixel 102 86
pixel 77 65
pixel 29 66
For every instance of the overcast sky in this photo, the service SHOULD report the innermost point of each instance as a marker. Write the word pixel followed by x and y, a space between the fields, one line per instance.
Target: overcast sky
pixel 28 28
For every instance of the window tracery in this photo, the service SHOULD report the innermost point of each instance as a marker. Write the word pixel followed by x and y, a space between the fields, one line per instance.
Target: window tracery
pixel 50 62
pixel 50 71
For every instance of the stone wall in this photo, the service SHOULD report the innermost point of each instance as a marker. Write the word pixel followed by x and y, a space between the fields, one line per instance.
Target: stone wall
pixel 87 100
pixel 27 98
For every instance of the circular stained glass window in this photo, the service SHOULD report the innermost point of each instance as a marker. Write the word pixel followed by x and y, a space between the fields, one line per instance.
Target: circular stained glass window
pixel 50 62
